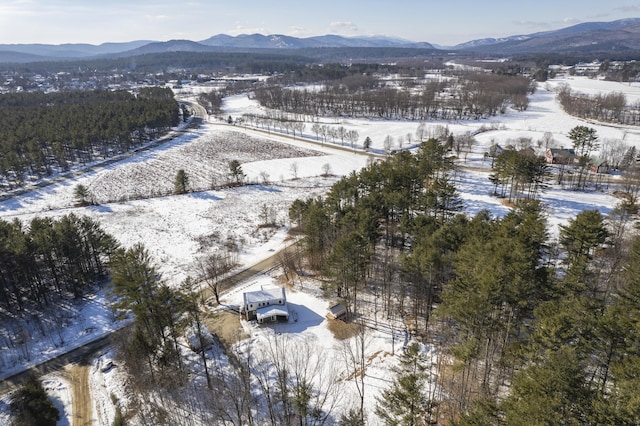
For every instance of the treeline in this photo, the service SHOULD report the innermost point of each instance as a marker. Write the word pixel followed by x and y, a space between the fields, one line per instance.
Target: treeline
pixel 608 107
pixel 530 330
pixel 241 62
pixel 47 132
pixel 469 96
pixel 48 259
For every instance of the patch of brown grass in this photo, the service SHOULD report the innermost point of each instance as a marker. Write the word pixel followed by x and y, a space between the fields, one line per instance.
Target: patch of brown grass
pixel 342 330
pixel 507 203
pixel 226 325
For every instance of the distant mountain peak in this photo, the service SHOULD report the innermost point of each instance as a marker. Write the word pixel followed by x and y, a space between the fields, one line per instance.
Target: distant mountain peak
pixel 586 37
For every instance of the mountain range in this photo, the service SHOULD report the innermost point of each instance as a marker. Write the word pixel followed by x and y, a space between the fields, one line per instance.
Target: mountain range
pixel 592 37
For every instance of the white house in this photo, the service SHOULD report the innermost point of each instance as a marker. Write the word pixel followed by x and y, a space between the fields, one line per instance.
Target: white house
pixel 265 305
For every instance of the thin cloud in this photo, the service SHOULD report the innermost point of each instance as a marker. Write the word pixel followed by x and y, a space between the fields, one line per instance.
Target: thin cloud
pixel 571 21
pixel 599 16
pixel 241 29
pixel 298 31
pixel 534 25
pixel 633 9
pixel 343 27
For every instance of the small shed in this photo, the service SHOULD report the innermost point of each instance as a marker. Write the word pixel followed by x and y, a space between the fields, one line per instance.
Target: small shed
pixel 265 304
pixel 337 311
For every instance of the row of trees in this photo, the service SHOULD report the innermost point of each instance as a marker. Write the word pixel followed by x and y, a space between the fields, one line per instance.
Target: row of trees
pixel 608 107
pixel 44 133
pixel 276 122
pixel 211 101
pixel 48 259
pixel 468 96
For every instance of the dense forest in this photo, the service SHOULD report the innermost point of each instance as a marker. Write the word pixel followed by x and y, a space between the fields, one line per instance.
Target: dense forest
pixel 46 260
pixel 531 330
pixel 45 133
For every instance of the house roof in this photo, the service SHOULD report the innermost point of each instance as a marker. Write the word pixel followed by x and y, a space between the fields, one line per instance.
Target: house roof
pixel 561 152
pixel 597 161
pixel 337 309
pixel 272 311
pixel 263 295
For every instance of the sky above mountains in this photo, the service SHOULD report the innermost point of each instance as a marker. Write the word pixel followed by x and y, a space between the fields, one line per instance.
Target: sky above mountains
pixel 435 21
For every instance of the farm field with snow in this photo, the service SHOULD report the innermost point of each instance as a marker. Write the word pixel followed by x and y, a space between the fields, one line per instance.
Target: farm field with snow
pixel 134 205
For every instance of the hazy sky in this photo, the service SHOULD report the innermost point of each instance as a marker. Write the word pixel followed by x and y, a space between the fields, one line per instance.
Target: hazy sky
pixel 442 22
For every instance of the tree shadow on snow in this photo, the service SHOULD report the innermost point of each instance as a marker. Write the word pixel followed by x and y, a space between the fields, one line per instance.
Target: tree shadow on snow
pixel 207 196
pixel 265 188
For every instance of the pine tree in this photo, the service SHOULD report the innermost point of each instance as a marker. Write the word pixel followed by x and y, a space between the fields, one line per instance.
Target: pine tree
pixel 623 385
pixel 181 184
pixel 553 392
pixel 82 195
pixel 31 405
pixel 406 402
pixel 584 142
pixel 367 143
pixel 236 173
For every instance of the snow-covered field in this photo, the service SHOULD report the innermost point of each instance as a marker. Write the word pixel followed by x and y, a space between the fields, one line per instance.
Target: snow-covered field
pixel 178 229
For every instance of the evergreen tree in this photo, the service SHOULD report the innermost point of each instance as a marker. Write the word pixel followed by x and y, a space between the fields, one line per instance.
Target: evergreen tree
pixel 136 284
pixel 621 383
pixel 582 235
pixel 584 142
pixel 367 143
pixel 31 405
pixel 553 392
pixel 347 265
pixel 406 402
pixel 181 183
pixel 236 173
pixel 580 238
pixel 584 139
pixel 82 195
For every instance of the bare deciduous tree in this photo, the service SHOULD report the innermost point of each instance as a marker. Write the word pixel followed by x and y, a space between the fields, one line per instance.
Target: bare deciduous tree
pixel 355 359
pixel 326 169
pixel 293 167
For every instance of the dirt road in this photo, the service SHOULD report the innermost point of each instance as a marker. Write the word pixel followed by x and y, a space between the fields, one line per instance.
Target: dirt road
pixel 82 406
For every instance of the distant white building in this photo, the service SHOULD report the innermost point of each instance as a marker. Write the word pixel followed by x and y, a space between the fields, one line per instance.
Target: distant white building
pixel 265 305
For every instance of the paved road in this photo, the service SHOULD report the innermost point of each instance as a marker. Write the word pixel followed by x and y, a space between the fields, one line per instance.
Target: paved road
pixel 80 355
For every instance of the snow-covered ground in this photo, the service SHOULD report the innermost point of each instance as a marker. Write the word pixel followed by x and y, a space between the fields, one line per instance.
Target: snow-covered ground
pixel 178 229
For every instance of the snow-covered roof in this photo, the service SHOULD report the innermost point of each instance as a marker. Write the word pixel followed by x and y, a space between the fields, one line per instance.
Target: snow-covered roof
pixel 272 311
pixel 264 295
